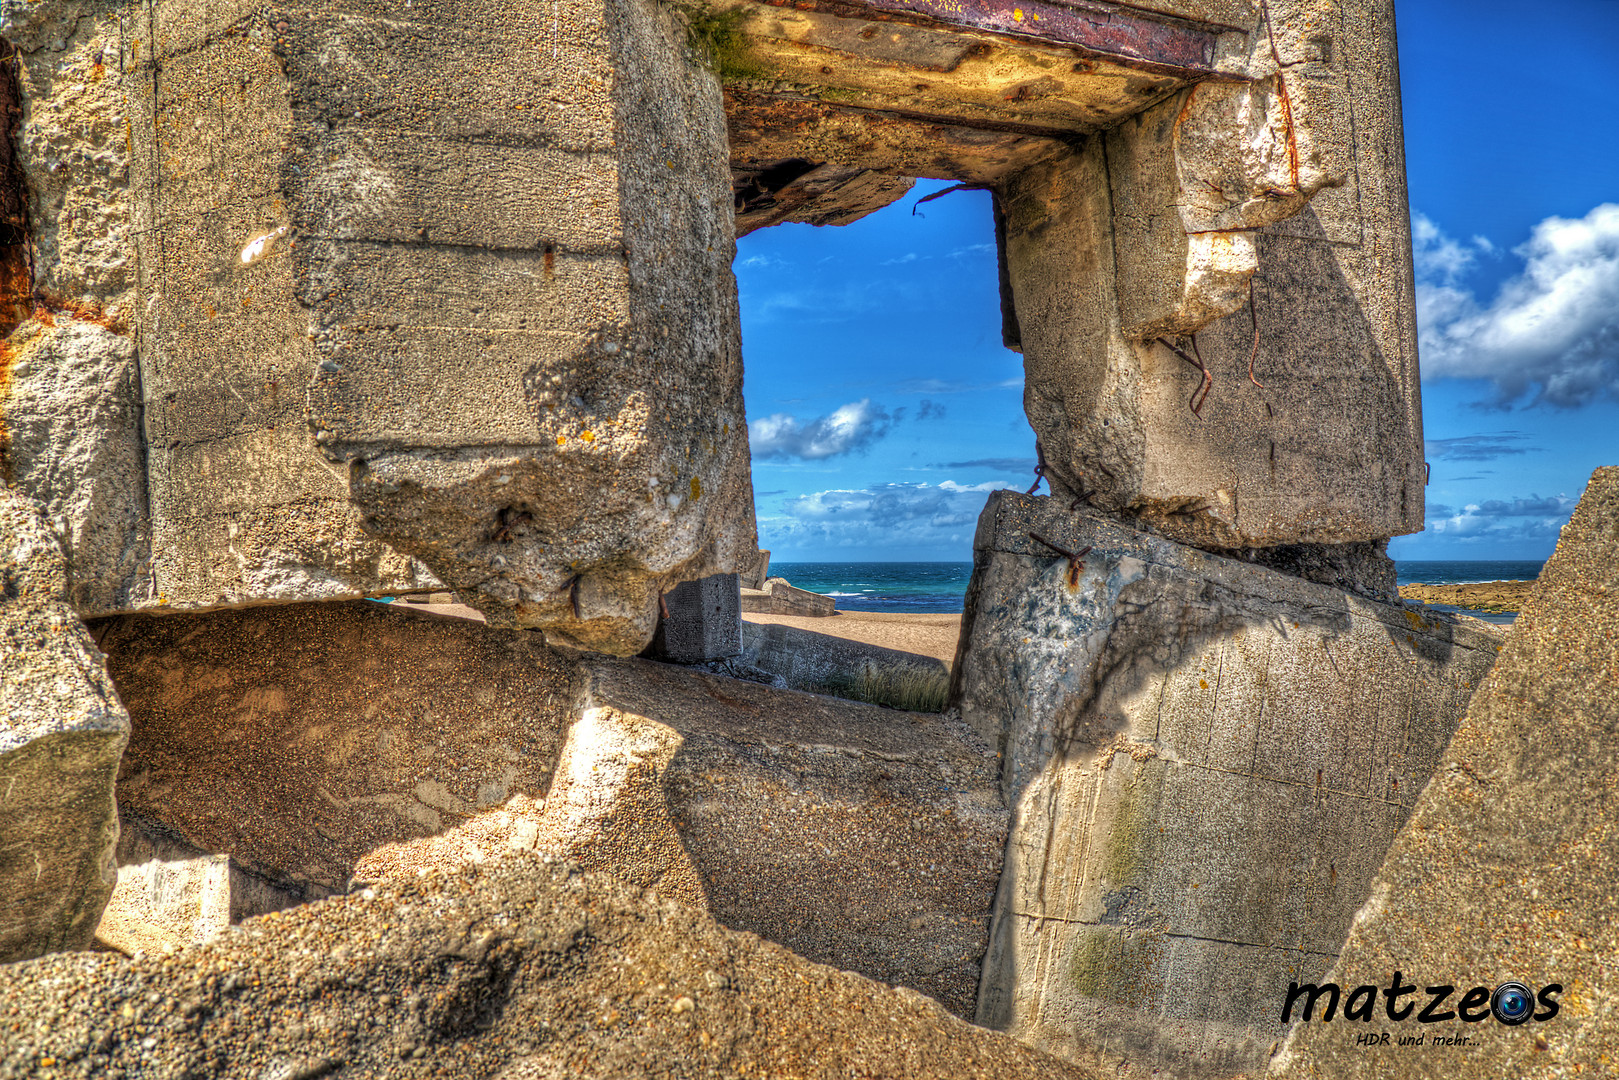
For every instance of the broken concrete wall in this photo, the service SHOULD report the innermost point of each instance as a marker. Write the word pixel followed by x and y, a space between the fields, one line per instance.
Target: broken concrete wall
pixel 1206 761
pixel 824 664
pixel 397 295
pixel 1505 869
pixel 62 730
pixel 557 426
pixel 862 837
pixel 1131 264
pixel 320 744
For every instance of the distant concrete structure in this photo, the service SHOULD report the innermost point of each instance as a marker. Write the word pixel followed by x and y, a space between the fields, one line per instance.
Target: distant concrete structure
pixel 777 597
pixel 756 576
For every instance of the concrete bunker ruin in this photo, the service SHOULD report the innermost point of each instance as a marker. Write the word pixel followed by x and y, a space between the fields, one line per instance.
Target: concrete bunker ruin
pixel 481 258
pixel 334 299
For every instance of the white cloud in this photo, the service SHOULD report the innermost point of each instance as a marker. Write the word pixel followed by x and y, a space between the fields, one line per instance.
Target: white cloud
pixel 988 485
pixel 1510 520
pixel 846 429
pixel 1551 332
pixel 883 516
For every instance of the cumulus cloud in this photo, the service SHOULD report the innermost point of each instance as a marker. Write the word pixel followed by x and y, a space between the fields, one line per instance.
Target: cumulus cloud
pixel 1533 518
pixel 1551 333
pixel 1479 447
pixel 883 516
pixel 845 430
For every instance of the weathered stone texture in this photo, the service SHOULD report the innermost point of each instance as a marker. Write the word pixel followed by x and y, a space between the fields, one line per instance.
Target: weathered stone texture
pixel 70 421
pixel 323 743
pixel 1206 761
pixel 1506 867
pixel 62 730
pixel 73 444
pixel 1119 244
pixel 857 836
pixel 243 509
pixel 517 970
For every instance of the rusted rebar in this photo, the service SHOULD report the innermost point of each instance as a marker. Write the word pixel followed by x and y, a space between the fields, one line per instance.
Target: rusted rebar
pixel 1039 468
pixel 1201 394
pixel 1075 559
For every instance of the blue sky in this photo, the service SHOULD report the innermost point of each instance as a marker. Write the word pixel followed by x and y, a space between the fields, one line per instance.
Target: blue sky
pixel 882 407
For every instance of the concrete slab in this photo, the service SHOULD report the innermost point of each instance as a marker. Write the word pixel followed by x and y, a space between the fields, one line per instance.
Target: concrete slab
pixel 1206 760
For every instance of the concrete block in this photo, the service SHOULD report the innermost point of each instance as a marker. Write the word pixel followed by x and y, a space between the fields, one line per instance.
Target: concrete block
pixel 399 308
pixel 1205 759
pixel 1118 245
pixel 704 621
pixel 171 894
pixel 62 730
pixel 164 906
pixel 1505 868
pixel 755 576
pixel 326 744
pixel 862 837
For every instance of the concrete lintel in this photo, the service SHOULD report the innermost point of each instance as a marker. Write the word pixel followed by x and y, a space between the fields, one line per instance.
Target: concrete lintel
pixel 1136 37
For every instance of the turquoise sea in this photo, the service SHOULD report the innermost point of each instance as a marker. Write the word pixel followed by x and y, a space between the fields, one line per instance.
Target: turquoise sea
pixel 941 586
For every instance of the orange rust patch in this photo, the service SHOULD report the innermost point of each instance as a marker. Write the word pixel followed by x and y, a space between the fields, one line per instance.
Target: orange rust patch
pixel 8 356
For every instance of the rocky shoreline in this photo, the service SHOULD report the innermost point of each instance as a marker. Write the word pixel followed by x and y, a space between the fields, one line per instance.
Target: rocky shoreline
pixel 1497 597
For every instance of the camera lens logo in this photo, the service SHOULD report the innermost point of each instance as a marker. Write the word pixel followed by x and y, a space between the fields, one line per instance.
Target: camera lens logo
pixel 1512 1003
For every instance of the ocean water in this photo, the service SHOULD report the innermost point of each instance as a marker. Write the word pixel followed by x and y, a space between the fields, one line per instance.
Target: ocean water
pixel 942 586
pixel 1434 572
pixel 916 587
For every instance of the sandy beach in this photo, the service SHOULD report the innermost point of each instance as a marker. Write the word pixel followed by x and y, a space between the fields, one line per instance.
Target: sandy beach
pixel 1492 596
pixel 928 635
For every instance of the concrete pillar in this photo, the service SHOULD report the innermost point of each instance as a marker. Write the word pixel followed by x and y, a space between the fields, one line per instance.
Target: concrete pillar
pixel 488 248
pixel 1205 760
